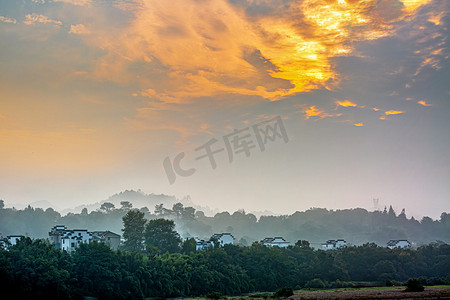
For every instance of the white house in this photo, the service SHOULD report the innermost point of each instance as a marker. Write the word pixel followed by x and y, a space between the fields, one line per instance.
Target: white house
pixel 110 238
pixel 333 244
pixel 398 244
pixel 12 239
pixel 223 238
pixel 68 240
pixel 275 241
pixel 73 238
pixel 202 244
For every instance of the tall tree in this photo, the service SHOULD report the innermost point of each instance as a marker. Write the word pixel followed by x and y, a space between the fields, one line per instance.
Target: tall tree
pixel 133 230
pixel 126 205
pixel 107 206
pixel 178 209
pixel 160 233
pixel 391 212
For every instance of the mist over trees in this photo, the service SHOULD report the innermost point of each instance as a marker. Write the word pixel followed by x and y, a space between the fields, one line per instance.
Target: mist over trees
pixel 357 226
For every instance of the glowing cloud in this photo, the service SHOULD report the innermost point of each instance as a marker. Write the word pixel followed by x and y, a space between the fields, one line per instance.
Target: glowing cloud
pixel 393 112
pixel 216 47
pixel 313 111
pixel 32 19
pixel 358 124
pixel 7 20
pixel 436 19
pixel 346 103
pixel 424 103
pixel 376 109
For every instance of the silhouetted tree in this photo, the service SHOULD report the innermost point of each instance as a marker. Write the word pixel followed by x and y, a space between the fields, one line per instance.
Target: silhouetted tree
pixel 126 205
pixel 160 233
pixel 391 212
pixel 107 206
pixel 133 230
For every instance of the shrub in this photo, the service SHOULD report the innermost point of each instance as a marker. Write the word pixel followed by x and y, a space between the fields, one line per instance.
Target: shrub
pixel 214 295
pixel 316 283
pixel 389 283
pixel 261 295
pixel 340 284
pixel 283 292
pixel 413 285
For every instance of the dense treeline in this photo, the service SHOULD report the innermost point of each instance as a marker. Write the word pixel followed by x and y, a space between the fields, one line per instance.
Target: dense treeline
pixel 357 226
pixel 34 269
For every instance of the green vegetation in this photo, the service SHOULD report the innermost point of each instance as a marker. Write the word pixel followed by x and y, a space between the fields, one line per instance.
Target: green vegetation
pixel 155 262
pixel 35 269
pixel 283 292
pixel 414 285
pixel 311 228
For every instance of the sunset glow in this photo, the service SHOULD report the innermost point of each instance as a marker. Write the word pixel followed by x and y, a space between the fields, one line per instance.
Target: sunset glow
pixel 95 95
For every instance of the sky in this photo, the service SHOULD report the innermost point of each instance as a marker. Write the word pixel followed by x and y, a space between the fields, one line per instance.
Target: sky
pixel 261 105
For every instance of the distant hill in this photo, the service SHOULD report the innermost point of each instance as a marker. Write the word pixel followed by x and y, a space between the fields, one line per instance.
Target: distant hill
pixel 138 198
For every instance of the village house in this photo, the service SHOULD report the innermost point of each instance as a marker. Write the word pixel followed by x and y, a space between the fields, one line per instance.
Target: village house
pixel 9 240
pixel 67 239
pixel 220 238
pixel 110 238
pixel 202 244
pixel 223 238
pixel 275 241
pixel 333 244
pixel 398 244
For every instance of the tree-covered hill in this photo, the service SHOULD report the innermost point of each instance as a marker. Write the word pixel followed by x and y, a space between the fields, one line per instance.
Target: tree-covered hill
pixel 317 225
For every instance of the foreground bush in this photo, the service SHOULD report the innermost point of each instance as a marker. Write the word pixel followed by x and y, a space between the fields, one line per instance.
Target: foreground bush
pixel 413 285
pixel 283 292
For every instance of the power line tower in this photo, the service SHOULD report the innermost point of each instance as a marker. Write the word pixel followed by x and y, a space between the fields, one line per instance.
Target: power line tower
pixel 375 204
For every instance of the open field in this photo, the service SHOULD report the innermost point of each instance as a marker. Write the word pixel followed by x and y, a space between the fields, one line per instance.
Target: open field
pixel 435 292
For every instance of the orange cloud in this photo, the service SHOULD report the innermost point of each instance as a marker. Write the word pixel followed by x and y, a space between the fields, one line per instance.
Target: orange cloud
pixel 7 20
pixel 393 112
pixel 358 124
pixel 436 19
pixel 32 19
pixel 424 103
pixel 215 48
pixel 313 111
pixel 376 109
pixel 346 103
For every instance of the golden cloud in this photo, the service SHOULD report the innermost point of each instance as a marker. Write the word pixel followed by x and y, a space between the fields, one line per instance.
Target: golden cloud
pixel 313 111
pixel 424 103
pixel 214 48
pixel 346 103
pixel 358 124
pixel 393 112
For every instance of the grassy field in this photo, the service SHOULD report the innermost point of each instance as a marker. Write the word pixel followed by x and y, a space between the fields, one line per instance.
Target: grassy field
pixel 432 292
pixel 383 292
pixel 441 292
